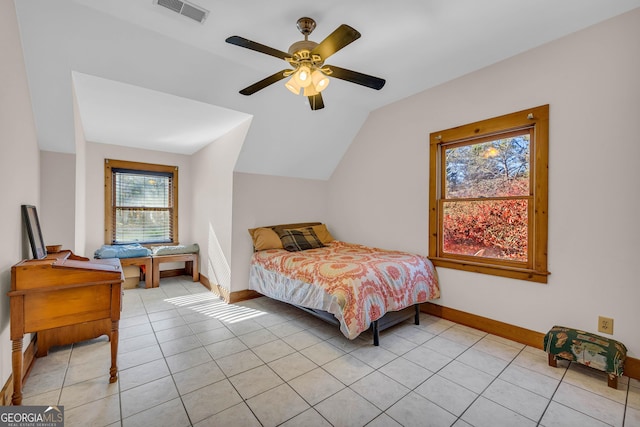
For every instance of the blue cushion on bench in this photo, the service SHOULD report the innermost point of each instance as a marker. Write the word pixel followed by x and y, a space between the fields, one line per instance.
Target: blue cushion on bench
pixel 133 250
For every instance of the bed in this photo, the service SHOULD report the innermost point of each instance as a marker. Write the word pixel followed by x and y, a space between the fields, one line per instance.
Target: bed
pixel 354 286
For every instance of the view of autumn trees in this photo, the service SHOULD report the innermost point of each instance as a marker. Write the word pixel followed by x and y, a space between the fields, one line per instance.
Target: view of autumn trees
pixel 486 198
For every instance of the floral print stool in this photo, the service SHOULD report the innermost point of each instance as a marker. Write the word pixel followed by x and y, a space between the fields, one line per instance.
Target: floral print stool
pixel 604 354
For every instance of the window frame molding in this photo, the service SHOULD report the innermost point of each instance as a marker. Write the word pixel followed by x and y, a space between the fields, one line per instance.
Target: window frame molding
pixel 538 120
pixel 109 165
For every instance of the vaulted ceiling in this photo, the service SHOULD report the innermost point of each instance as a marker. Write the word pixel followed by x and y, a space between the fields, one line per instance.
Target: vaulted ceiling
pixel 147 77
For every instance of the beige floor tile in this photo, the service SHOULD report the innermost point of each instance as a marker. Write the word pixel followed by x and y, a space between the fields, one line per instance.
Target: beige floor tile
pixel 273 350
pixel 322 353
pixel 147 396
pixel 243 327
pixel 347 369
pixel 197 377
pixel 168 414
pixel 412 333
pixel 49 398
pixel 447 347
pixel 179 345
pixel 383 420
pixel 173 333
pixel 460 336
pixel 88 391
pixel 485 413
pixel 632 417
pixel 136 343
pixel 237 416
pixel 427 358
pixel 374 356
pixel 406 372
pixel 558 415
pixel 213 336
pixel 309 418
pixel 201 325
pixel 97 413
pixel 395 343
pixel 482 361
pixel 238 362
pixel 135 331
pixel 139 357
pixel 497 349
pixel 284 329
pixel 142 374
pixel 210 400
pixel 163 315
pixel 292 366
pixel 44 382
pixel 302 339
pixel 380 390
pixel 271 415
pixel 188 359
pixel 85 371
pixel 221 349
pixel 414 410
pixel 530 380
pixel 257 338
pixel 359 411
pixel 466 376
pixel 255 381
pixel 517 399
pixel 316 385
pixel 172 322
pixel 596 382
pixel 446 394
pixel 589 403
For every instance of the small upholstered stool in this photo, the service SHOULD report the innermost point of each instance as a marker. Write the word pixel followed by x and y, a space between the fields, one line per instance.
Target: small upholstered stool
pixel 604 354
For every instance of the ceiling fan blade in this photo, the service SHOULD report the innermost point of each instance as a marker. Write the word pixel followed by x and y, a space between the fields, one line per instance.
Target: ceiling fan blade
pixel 316 102
pixel 342 36
pixel 250 90
pixel 242 42
pixel 356 77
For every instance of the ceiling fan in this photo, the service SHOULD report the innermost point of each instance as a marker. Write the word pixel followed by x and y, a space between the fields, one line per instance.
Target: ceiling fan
pixel 308 72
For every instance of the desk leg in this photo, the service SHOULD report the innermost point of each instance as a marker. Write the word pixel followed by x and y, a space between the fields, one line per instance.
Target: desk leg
pixel 16 359
pixel 113 371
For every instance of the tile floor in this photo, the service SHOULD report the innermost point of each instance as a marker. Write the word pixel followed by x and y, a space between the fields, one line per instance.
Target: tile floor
pixel 187 359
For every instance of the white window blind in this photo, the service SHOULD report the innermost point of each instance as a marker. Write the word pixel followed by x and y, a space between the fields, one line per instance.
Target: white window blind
pixel 143 207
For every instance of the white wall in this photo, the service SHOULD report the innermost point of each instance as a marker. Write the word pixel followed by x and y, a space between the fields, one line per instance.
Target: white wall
pixel 262 200
pixel 57 198
pixel 94 181
pixel 590 79
pixel 19 167
pixel 211 216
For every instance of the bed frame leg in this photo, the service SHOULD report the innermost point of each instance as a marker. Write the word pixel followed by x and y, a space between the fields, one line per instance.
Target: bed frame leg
pixel 376 334
pixel 417 316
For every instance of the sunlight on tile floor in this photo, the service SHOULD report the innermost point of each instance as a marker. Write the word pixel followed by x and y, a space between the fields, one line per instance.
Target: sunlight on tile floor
pixel 187 359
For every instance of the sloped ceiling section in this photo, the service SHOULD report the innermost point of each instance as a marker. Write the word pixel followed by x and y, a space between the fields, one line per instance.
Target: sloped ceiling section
pixel 415 46
pixel 122 114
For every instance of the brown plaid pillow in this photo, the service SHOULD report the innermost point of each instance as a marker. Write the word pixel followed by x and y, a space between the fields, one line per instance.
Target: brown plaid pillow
pixel 299 239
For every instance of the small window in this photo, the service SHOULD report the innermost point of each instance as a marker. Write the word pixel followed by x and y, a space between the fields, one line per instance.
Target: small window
pixel 488 201
pixel 141 203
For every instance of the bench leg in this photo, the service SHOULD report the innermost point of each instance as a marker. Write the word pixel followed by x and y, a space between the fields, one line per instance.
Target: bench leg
pixel 612 381
pixel 552 360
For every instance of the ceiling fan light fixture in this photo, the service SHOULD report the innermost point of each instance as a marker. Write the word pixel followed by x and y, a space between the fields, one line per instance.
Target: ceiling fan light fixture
pixel 293 86
pixel 320 81
pixel 302 76
pixel 310 91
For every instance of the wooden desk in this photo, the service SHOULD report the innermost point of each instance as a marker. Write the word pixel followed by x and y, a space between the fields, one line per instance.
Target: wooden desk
pixel 65 299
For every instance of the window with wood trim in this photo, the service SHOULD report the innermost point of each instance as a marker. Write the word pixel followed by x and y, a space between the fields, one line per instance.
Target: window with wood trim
pixel 141 203
pixel 488 196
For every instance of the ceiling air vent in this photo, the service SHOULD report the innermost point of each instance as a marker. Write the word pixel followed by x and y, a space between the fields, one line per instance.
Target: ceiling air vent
pixel 189 10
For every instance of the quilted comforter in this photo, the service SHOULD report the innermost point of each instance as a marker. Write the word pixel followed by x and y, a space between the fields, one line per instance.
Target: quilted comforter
pixel 357 284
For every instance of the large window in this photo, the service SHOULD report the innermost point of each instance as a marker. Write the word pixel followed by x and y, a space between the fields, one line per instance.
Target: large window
pixel 141 203
pixel 488 196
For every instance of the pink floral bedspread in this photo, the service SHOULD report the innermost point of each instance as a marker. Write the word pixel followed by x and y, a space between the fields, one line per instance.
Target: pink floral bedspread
pixel 357 284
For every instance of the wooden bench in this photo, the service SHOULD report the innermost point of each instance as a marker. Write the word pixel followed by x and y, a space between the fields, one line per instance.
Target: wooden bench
pixel 190 265
pixel 145 273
